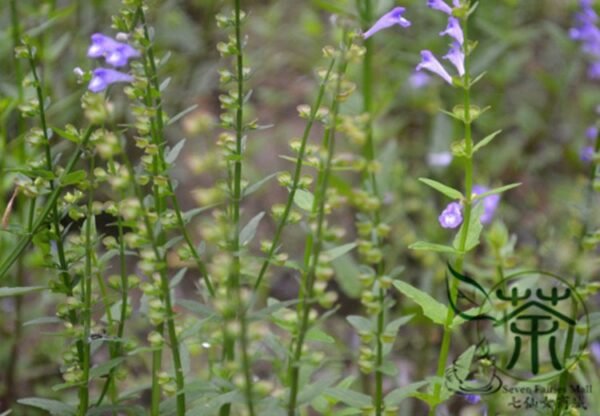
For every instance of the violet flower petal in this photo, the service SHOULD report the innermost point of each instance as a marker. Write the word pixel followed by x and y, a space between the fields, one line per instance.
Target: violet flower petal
pixel 454 30
pixel 451 216
pixel 439 5
pixel 456 56
pixel 104 77
pixel 393 17
pixel 430 63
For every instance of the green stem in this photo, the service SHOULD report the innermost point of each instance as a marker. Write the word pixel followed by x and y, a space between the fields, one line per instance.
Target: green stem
pixel 313 247
pixel 55 219
pixel 370 181
pixel 296 177
pixel 87 298
pixel 160 166
pixel 468 203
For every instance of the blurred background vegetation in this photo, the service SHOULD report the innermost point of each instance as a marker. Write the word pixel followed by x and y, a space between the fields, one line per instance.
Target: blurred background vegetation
pixel 535 85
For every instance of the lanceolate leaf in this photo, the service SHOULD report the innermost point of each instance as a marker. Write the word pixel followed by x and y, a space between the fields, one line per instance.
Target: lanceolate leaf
pixel 16 291
pixel 498 190
pixel 432 309
pixel 486 140
pixel 440 187
pixel 54 407
pixel 423 245
pixel 249 231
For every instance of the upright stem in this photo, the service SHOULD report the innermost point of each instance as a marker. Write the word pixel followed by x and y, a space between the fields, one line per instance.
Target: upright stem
pixel 55 218
pixel 296 178
pixel 468 204
pixel 87 297
pixel 370 182
pixel 313 247
pixel 234 278
pixel 157 129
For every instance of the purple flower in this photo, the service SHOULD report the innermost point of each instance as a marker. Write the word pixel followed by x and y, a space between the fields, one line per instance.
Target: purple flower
pixel 451 217
pixel 586 32
pixel 101 45
pixel 441 159
pixel 393 17
pixel 103 77
pixel 591 133
pixel 594 70
pixel 586 154
pixel 595 351
pixel 116 53
pixel 121 54
pixel 418 80
pixel 472 398
pixel 440 5
pixel 454 30
pixel 490 203
pixel 456 56
pixel 430 63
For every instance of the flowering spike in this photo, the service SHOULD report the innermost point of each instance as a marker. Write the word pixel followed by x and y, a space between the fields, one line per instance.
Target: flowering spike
pixel 457 57
pixel 591 133
pixel 393 17
pixel 103 77
pixel 454 30
pixel 451 217
pixel 439 5
pixel 430 63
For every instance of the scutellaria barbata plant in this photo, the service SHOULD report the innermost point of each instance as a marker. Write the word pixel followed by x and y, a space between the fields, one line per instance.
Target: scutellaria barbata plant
pixel 266 285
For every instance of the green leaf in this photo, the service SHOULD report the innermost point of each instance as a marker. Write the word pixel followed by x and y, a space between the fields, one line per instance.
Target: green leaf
pixel 17 291
pixel 395 396
pixel 249 231
pixel 361 323
pixel 54 407
pixel 474 230
pixel 174 152
pixel 486 140
pixel 181 114
pixel 497 190
pixel 73 178
pixel 346 275
pixel 8 412
pixel 316 334
pixel 423 245
pixel 177 278
pixel 432 309
pixel 43 320
pixel 104 368
pixel 440 187
pixel 336 252
pixel 349 397
pixel 196 307
pixel 256 186
pixel 187 216
pixel 393 327
pixel 304 199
